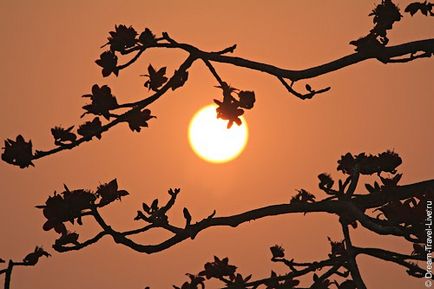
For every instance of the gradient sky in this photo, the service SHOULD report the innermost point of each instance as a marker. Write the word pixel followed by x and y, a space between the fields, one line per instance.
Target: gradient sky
pixel 48 50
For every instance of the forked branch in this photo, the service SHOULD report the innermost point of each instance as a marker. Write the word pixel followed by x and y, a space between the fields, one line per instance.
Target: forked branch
pixel 125 41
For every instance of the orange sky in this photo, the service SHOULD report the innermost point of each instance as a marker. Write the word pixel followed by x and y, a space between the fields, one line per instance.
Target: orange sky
pixel 48 50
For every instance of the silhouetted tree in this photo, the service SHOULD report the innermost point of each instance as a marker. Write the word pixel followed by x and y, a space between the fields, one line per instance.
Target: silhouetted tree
pixel 385 207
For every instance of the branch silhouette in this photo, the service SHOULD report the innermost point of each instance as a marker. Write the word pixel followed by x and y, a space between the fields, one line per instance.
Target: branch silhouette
pixel 125 41
pixel 402 214
pixel 384 207
pixel 31 259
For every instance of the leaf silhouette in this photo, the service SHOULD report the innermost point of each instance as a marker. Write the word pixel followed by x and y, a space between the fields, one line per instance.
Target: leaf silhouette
pixel 320 283
pixel 102 101
pixel 123 37
pixel 274 283
pixel 18 152
pixel 229 111
pixel 147 38
pixel 146 208
pixel 137 119
pixel 194 283
pixel 230 108
pixel 65 207
pixel 108 61
pixel 303 196
pixel 33 258
pixel 240 281
pixel 369 164
pixel 368 45
pixel 68 238
pixel 109 193
pixel 247 99
pixel 187 216
pixel 91 128
pixel 62 135
pixel 385 14
pixel 325 181
pixel 218 269
pixel 277 251
pixel 179 79
pixel 424 7
pixel 156 78
pixel 337 248
pixel 391 182
pixel 154 205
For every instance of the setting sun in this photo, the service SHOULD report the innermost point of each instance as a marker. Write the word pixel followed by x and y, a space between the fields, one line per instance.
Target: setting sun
pixel 211 140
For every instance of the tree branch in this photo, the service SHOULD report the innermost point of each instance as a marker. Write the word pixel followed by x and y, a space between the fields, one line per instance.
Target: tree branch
pixel 352 263
pixel 426 45
pixel 385 54
pixel 397 258
pixel 339 207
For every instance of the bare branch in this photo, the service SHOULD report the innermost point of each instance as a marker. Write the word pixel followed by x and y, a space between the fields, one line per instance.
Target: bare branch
pixel 352 263
pixel 397 258
pixel 339 207
pixel 308 95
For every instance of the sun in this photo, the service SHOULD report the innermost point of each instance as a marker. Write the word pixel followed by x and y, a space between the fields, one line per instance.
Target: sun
pixel 210 138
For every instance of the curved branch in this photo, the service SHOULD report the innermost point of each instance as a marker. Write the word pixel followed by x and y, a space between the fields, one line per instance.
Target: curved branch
pixel 76 247
pixel 385 54
pixel 310 268
pixel 397 258
pixel 136 106
pixel 426 45
pixel 351 207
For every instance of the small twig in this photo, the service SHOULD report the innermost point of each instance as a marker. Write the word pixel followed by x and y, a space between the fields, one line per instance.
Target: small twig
pixel 312 268
pixel 339 207
pixel 8 272
pixel 230 49
pixel 394 257
pixel 412 57
pixel 214 73
pixel 308 95
pixel 282 74
pixel 132 60
pixel 135 106
pixel 333 270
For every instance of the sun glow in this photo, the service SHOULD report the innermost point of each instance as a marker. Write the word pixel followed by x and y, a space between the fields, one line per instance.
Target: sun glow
pixel 211 140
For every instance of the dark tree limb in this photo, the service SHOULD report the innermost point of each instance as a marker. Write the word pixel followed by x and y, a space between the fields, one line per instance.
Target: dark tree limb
pixel 8 272
pixel 397 258
pixel 338 207
pixel 426 45
pixel 302 96
pixel 390 54
pixel 352 263
pixel 412 57
pixel 402 207
pixel 312 267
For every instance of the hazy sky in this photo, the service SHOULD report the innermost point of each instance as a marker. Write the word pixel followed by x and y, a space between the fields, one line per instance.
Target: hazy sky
pixel 48 50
